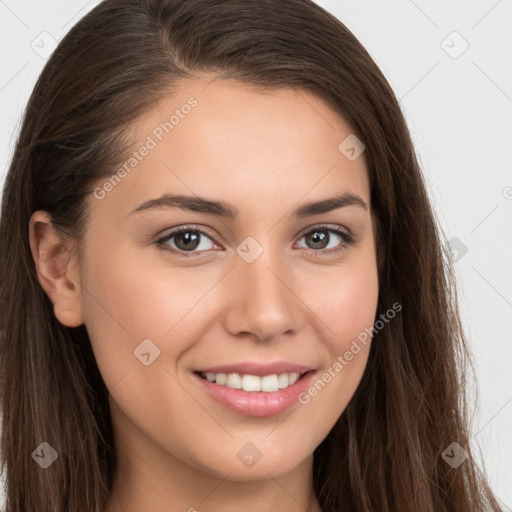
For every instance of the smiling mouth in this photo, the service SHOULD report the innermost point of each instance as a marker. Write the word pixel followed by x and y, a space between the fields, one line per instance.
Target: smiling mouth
pixel 247 382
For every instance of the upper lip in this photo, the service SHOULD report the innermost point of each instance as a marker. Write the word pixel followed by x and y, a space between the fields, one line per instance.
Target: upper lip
pixel 258 369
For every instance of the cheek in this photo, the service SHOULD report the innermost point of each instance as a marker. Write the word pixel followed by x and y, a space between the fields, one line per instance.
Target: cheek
pixel 139 290
pixel 345 300
pixel 354 312
pixel 127 301
pixel 348 310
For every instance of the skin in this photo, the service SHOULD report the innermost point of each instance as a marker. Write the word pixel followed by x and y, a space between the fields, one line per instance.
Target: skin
pixel 265 153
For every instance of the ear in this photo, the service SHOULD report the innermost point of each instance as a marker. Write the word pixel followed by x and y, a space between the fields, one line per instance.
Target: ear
pixel 57 269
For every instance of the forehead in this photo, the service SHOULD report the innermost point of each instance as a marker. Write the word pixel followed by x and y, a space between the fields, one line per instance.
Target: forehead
pixel 223 139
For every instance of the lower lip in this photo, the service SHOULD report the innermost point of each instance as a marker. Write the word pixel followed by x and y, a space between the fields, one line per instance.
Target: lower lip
pixel 256 403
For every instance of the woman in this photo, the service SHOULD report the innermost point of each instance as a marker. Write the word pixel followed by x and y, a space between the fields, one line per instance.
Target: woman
pixel 175 334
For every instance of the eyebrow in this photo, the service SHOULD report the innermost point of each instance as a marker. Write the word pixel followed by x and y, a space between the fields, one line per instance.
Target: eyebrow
pixel 225 210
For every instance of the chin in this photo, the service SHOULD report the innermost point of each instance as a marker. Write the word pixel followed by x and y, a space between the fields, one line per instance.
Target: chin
pixel 273 464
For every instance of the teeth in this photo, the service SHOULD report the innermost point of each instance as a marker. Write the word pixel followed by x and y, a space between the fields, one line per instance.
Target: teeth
pixel 268 383
pixel 283 380
pixel 249 382
pixel 234 381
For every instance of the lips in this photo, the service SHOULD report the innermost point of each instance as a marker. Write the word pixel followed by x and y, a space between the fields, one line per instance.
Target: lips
pixel 252 401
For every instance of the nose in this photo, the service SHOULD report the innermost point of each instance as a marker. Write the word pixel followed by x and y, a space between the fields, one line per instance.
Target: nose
pixel 261 301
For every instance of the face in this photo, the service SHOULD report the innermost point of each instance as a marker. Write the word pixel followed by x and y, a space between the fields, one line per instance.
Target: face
pixel 265 291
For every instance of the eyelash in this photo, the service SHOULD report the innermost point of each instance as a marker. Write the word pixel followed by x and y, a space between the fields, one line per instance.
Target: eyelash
pixel 347 240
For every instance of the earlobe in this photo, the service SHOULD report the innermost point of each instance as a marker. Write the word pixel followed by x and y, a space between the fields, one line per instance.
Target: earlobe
pixel 56 269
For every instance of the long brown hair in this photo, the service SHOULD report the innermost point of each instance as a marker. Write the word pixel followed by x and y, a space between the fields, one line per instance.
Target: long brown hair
pixel 385 452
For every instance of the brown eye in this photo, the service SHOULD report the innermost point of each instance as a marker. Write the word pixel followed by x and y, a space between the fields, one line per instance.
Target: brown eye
pixel 186 240
pixel 319 238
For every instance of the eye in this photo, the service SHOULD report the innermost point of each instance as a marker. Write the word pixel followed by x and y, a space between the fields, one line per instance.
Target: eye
pixel 318 242
pixel 188 239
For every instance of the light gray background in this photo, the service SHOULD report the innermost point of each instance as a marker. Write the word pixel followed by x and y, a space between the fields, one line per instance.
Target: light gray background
pixel 458 106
